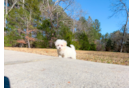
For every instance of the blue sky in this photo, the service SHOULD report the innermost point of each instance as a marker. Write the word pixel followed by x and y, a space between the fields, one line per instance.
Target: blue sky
pixel 131 30
pixel 100 9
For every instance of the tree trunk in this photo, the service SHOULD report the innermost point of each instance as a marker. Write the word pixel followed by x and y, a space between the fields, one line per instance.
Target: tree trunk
pixel 27 35
pixel 73 26
pixel 5 23
pixel 127 11
pixel 6 14
pixel 122 41
pixel 23 3
pixel 74 22
pixel 121 48
pixel 28 43
pixel 124 33
pixel 21 45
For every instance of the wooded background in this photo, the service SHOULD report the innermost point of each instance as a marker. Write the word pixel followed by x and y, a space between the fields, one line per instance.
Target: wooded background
pixel 38 23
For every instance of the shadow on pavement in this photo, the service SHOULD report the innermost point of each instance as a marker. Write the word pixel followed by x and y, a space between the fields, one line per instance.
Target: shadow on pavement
pixel 6 82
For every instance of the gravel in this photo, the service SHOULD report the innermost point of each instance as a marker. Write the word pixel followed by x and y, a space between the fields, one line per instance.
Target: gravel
pixel 27 70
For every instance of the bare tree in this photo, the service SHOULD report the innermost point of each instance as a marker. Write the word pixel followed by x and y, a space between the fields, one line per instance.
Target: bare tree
pixel 75 12
pixel 54 11
pixel 118 7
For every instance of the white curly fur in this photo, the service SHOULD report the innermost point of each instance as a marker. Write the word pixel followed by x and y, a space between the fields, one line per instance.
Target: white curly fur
pixel 63 50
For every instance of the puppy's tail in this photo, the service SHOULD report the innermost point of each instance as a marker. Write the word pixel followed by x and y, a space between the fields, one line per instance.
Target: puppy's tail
pixel 72 46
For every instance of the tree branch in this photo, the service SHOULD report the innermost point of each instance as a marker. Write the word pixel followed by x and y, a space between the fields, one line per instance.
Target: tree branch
pixel 12 6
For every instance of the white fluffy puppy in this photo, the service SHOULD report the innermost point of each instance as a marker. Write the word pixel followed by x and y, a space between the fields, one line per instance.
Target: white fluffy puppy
pixel 64 51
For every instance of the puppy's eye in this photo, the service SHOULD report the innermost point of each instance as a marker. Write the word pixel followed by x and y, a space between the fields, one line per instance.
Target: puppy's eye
pixel 61 45
pixel 57 45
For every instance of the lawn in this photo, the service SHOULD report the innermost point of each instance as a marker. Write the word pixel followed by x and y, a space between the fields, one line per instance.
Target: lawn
pixel 95 56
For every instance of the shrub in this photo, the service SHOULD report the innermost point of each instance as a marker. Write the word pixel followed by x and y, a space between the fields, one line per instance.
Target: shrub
pixel 76 44
pixel 92 47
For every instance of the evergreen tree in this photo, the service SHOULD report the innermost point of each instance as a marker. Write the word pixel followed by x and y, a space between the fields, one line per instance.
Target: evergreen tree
pixel 83 40
pixel 108 45
pixel 65 33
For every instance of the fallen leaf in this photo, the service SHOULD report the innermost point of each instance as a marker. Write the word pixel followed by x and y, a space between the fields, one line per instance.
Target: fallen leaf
pixel 68 82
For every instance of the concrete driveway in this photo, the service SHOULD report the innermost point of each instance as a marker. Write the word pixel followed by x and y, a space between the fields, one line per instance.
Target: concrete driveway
pixel 27 70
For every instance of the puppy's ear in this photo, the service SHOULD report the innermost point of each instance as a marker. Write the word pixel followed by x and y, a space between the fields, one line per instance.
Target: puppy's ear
pixel 65 43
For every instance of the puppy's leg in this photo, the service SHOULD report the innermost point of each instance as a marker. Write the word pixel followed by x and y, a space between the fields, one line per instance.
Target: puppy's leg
pixel 73 57
pixel 64 56
pixel 60 56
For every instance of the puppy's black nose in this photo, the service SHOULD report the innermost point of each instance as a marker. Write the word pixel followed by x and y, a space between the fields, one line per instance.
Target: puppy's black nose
pixel 59 47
